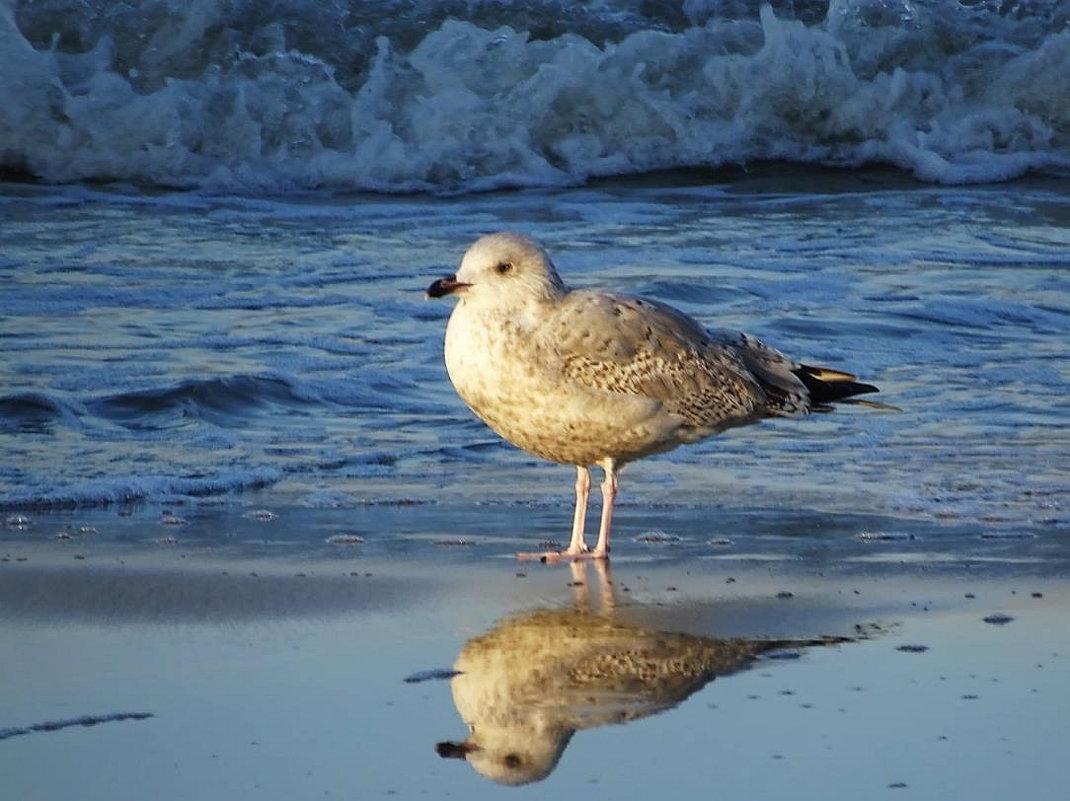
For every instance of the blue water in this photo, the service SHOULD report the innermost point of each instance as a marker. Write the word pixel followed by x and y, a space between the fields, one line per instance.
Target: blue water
pixel 220 219
pixel 183 347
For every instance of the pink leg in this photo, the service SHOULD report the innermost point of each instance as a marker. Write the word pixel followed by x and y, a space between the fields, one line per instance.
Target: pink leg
pixel 609 495
pixel 576 547
pixel 583 490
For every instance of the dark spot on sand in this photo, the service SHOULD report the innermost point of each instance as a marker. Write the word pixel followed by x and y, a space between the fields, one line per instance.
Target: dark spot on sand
pixel 657 537
pixel 998 619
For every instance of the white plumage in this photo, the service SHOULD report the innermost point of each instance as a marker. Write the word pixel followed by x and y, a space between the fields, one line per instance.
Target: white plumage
pixel 586 378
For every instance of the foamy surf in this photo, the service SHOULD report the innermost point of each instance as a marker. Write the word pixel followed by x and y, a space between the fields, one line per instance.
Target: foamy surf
pixel 400 96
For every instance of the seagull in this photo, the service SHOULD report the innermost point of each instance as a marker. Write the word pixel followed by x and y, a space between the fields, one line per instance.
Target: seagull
pixel 593 378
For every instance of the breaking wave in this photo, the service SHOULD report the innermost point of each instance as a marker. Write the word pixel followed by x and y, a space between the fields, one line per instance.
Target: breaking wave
pixel 469 95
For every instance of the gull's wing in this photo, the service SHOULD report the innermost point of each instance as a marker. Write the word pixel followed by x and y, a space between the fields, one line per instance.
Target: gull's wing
pixel 640 347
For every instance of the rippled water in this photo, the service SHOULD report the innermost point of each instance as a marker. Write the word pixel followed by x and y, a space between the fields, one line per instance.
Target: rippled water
pixel 163 347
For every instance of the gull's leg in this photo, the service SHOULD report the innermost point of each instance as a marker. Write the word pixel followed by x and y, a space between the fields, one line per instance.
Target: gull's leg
pixel 576 547
pixel 609 494
pixel 583 490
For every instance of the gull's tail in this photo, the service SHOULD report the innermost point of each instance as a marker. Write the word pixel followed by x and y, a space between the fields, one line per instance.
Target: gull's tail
pixel 831 386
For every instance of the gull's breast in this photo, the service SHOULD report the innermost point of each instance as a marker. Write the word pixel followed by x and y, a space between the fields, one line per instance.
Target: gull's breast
pixel 517 385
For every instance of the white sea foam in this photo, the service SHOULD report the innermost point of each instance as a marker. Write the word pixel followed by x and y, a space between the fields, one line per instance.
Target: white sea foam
pixel 399 96
pixel 131 489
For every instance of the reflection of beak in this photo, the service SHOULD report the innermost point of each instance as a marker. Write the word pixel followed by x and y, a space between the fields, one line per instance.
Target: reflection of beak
pixel 453 750
pixel 446 286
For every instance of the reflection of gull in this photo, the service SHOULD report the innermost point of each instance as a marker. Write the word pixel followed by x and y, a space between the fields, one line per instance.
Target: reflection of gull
pixel 590 378
pixel 528 685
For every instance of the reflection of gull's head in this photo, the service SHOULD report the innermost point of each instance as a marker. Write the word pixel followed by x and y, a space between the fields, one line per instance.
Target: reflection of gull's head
pixel 508 692
pixel 513 752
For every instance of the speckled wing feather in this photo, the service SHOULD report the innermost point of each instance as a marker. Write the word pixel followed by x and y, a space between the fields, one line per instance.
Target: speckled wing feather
pixel 639 347
pixel 786 393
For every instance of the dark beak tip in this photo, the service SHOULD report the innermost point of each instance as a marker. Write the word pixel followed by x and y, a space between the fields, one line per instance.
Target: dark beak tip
pixel 451 750
pixel 438 288
pixel 445 286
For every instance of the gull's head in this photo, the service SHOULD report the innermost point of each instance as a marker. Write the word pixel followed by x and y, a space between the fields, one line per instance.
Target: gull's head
pixel 503 270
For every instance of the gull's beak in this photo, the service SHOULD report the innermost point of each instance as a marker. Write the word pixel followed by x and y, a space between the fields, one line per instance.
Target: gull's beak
pixel 446 286
pixel 450 750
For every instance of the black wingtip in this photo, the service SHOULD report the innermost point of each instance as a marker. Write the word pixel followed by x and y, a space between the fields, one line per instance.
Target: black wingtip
pixel 829 386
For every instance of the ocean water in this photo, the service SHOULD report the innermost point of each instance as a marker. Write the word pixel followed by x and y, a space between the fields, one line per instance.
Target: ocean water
pixel 220 219
pixel 165 347
pixel 235 481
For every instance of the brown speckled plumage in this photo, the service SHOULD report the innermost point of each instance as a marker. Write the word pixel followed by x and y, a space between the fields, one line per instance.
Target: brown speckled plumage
pixel 592 378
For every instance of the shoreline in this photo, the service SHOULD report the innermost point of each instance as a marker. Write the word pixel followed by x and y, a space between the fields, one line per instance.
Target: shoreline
pixel 329 552
pixel 278 668
pixel 766 176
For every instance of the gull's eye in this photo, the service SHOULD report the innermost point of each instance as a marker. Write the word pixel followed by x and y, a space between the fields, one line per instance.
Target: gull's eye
pixel 503 267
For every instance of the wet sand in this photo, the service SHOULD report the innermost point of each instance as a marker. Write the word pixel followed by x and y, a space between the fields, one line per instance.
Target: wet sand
pixel 273 659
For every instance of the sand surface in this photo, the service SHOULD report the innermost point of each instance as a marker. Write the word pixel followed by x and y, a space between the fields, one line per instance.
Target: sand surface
pixel 273 662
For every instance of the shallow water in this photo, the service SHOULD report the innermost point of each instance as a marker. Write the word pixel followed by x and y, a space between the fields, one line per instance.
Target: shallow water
pixel 283 674
pixel 193 350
